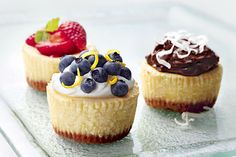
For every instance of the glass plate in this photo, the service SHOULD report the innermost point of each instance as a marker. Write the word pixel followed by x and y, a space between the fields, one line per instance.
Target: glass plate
pixel 134 31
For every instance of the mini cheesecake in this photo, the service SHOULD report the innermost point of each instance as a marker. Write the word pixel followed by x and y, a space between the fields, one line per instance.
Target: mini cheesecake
pixel 181 74
pixel 42 50
pixel 93 99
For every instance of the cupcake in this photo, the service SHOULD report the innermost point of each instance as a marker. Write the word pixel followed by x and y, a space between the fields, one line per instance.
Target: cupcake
pixel 93 99
pixel 181 74
pixel 43 49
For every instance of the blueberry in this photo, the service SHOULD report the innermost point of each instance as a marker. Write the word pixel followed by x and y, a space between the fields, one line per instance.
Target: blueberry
pixel 99 75
pixel 116 57
pixel 101 60
pixel 120 88
pixel 126 73
pixel 88 85
pixel 112 68
pixel 82 64
pixel 65 62
pixel 68 78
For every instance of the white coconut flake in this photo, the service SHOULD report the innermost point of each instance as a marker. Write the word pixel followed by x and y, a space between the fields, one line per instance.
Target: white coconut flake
pixel 184 41
pixel 162 61
pixel 180 55
pixel 187 117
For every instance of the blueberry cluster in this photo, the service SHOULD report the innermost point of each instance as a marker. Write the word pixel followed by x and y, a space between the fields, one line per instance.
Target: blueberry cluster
pixel 104 69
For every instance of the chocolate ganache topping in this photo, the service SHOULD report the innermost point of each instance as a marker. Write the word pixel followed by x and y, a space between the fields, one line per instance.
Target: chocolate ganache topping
pixel 184 54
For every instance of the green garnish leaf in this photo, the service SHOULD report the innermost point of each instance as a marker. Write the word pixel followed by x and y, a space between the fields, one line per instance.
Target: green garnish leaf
pixel 45 36
pixel 41 36
pixel 52 25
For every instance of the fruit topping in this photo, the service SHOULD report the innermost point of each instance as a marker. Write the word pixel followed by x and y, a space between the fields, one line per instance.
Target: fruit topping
pixel 56 41
pixel 85 55
pixel 65 62
pixel 30 40
pixel 55 47
pixel 97 69
pixel 101 60
pixel 99 75
pixel 81 63
pixel 112 68
pixel 109 54
pixel 88 85
pixel 67 78
pixel 75 32
pixel 120 88
pixel 126 73
pixel 76 83
pixel 115 57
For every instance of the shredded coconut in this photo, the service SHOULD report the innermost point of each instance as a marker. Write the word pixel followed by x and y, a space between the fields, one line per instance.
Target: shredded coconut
pixel 185 119
pixel 185 116
pixel 184 41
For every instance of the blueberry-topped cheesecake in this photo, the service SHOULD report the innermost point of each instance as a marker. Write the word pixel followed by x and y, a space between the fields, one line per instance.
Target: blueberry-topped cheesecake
pixel 182 73
pixel 93 99
pixel 42 50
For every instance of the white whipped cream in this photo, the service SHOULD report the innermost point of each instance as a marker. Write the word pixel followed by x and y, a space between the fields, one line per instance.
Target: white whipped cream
pixel 102 89
pixel 183 41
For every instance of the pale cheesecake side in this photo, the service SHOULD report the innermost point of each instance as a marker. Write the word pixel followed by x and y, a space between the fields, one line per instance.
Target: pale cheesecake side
pixel 92 120
pixel 38 68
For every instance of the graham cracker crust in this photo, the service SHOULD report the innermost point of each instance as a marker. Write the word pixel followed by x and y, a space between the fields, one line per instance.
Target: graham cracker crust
pixel 180 107
pixel 38 85
pixel 92 139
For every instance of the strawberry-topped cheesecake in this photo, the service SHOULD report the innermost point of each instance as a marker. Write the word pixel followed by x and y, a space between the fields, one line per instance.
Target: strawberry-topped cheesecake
pixel 43 49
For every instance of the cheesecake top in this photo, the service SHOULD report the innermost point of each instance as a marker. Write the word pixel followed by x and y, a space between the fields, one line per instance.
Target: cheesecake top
pixel 56 40
pixel 93 75
pixel 183 53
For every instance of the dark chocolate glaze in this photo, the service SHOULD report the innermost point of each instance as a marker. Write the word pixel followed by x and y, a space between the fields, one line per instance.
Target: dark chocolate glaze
pixel 192 65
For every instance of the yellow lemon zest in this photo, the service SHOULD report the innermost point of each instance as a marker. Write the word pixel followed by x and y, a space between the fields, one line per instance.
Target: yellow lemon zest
pixel 108 58
pixel 95 63
pixel 113 80
pixel 95 53
pixel 110 52
pixel 78 81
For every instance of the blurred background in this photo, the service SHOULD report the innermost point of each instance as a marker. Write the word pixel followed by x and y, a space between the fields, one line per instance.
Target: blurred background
pixel 13 11
pixel 132 26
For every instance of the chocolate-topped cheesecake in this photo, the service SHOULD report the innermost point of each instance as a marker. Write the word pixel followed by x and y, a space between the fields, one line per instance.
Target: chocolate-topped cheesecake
pixel 182 73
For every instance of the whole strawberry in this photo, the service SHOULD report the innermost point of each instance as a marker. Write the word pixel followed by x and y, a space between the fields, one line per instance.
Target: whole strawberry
pixel 75 32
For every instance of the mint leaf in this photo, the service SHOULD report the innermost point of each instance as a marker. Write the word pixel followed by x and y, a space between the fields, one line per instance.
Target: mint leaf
pixel 52 25
pixel 45 36
pixel 38 36
pixel 41 36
